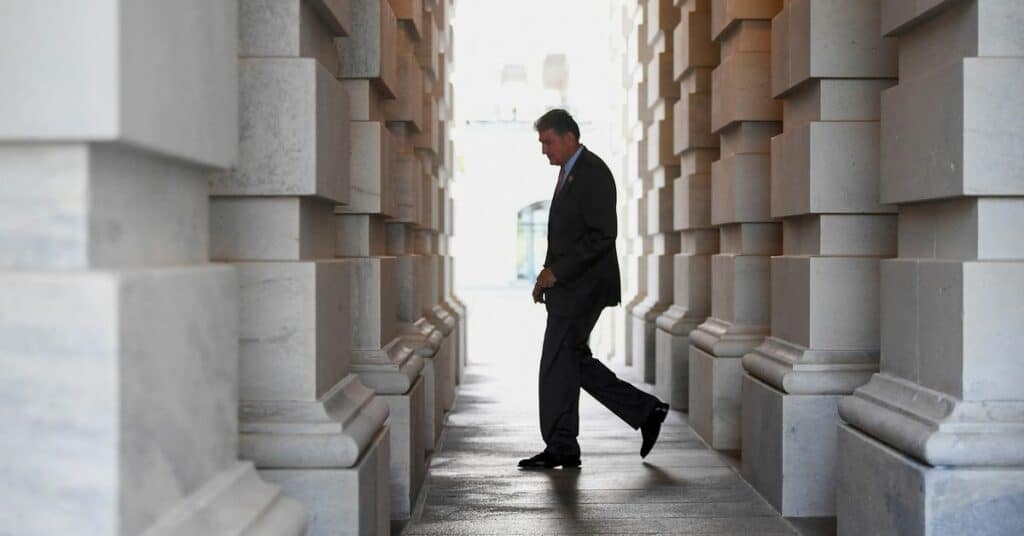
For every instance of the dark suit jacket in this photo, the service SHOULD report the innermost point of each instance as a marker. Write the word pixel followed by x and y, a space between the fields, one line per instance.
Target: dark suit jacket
pixel 581 241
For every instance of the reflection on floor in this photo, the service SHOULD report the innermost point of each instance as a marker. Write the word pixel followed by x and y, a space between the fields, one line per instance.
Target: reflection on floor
pixel 474 486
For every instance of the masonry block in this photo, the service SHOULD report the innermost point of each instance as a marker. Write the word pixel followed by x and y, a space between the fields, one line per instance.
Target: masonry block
pixel 294 122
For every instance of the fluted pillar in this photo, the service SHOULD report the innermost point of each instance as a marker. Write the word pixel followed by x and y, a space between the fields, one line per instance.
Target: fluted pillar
pixel 694 56
pixel 118 338
pixel 745 117
pixel 308 421
pixel 830 64
pixel 932 443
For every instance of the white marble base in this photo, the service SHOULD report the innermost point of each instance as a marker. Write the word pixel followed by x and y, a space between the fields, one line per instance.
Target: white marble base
pixel 643 345
pixel 789 448
pixel 426 342
pixel 433 409
pixel 714 411
pixel 446 361
pixel 445 358
pixel 351 501
pixel 458 337
pixel 672 376
pixel 408 456
pixel 236 501
pixel 882 491
pixel 334 431
pixel 119 406
pixel 629 307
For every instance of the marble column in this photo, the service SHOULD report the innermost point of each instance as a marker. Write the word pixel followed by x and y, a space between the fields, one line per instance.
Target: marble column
pixel 451 301
pixel 658 169
pixel 445 149
pixel 662 95
pixel 380 73
pixel 694 56
pixel 307 420
pixel 745 117
pixel 118 338
pixel 636 187
pixel 439 158
pixel 931 445
pixel 830 64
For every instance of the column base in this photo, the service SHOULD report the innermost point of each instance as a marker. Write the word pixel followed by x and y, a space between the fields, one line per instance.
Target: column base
pixel 408 459
pixel 672 369
pixel 433 410
pixel 445 363
pixel 390 370
pixel 672 356
pixel 426 342
pixel 458 338
pixel 629 307
pixel 883 491
pixel 789 448
pixel 236 501
pixel 714 408
pixel 796 369
pixel 642 323
pixel 350 501
pixel 334 431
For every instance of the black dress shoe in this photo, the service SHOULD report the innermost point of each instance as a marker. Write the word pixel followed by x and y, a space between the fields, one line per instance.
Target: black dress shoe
pixel 549 460
pixel 651 427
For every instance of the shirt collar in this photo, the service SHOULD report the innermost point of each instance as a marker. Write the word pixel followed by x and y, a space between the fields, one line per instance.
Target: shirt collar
pixel 572 161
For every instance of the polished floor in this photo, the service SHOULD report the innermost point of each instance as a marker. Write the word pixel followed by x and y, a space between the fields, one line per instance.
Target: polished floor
pixel 474 486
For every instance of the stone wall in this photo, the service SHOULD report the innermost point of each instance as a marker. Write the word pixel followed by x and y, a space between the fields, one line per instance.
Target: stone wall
pixel 296 386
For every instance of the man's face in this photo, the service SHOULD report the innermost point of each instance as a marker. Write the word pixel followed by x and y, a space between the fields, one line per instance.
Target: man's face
pixel 557 147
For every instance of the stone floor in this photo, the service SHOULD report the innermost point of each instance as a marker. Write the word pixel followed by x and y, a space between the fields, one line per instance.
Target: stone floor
pixel 474 486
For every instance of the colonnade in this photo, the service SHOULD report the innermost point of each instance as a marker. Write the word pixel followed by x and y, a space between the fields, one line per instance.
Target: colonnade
pixel 228 300
pixel 842 308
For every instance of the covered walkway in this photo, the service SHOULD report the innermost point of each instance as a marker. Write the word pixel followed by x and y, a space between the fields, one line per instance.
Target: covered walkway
pixel 475 488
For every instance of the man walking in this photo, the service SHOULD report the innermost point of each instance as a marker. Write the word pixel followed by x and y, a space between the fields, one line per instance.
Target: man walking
pixel 579 279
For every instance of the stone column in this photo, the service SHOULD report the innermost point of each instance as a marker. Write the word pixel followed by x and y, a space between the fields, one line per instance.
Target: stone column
pixel 830 64
pixel 694 56
pixel 438 159
pixel 119 338
pixel 659 168
pixel 308 421
pixel 636 192
pixel 932 443
pixel 384 83
pixel 421 317
pixel 446 156
pixel 662 162
pixel 615 321
pixel 745 117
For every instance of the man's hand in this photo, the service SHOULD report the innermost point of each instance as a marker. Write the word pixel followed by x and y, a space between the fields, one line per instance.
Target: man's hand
pixel 538 294
pixel 546 278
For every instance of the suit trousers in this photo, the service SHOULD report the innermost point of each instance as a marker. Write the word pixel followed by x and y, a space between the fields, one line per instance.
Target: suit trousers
pixel 566 365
